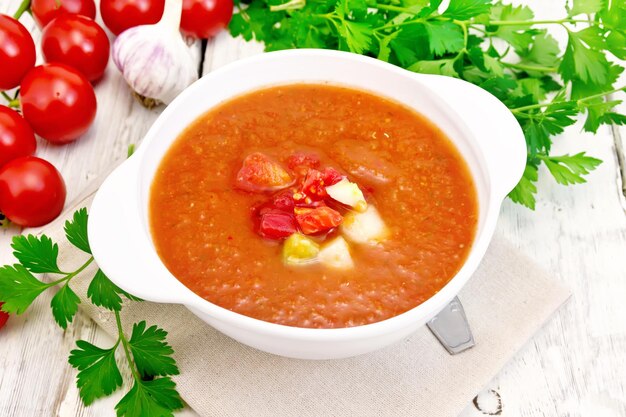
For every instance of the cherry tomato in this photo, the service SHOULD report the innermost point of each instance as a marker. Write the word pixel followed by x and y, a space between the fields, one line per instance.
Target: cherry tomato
pixel 119 15
pixel 44 11
pixel 32 191
pixel 3 317
pixel 17 52
pixel 76 41
pixel 205 18
pixel 58 102
pixel 16 136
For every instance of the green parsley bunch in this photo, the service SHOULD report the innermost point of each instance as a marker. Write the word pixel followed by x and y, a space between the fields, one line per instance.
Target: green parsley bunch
pixel 147 352
pixel 493 45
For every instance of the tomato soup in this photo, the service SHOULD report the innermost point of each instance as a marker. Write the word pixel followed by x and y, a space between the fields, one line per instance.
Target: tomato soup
pixel 313 205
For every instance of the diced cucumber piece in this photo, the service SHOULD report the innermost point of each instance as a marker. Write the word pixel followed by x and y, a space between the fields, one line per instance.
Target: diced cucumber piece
pixel 367 227
pixel 299 249
pixel 336 254
pixel 347 193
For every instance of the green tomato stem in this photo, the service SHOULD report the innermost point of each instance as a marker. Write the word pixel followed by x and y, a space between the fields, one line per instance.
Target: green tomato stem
pixel 126 347
pixel 13 103
pixel 24 6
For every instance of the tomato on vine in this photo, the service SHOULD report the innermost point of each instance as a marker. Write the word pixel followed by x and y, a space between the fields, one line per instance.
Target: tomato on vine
pixel 32 191
pixel 44 11
pixel 58 102
pixel 16 136
pixel 17 52
pixel 79 42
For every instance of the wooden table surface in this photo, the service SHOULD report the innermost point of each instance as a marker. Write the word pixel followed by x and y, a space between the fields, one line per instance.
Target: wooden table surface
pixel 574 366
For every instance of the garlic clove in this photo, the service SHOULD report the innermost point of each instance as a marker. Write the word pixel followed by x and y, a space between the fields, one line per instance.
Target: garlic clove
pixel 154 59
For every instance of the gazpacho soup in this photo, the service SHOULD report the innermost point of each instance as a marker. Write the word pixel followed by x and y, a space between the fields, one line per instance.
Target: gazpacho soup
pixel 313 205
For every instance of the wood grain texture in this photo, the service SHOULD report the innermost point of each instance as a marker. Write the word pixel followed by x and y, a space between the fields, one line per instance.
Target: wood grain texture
pixel 576 366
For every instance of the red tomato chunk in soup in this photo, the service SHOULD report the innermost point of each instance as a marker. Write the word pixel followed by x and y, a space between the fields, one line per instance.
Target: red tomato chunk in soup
pixel 313 206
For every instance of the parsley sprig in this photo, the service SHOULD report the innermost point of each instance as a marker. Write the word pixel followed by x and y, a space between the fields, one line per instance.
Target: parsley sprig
pixel 496 46
pixel 147 352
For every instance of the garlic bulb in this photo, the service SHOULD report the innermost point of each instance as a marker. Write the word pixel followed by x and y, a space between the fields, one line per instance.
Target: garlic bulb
pixel 154 59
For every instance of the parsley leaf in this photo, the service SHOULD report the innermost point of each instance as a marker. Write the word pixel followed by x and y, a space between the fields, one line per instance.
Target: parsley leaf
pixel 524 192
pixel 104 293
pixel 539 126
pixel 616 43
pixel 586 7
pixel 465 9
pixel 156 398
pixel 37 254
pixel 19 288
pixel 151 352
pixel 98 374
pixel 582 62
pixel 76 230
pixel 444 37
pixel 439 67
pixel 597 111
pixel 569 169
pixel 356 35
pixel 519 36
pixel 543 51
pixel 64 305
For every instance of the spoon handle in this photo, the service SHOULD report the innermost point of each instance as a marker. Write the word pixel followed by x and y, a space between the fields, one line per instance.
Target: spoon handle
pixel 451 328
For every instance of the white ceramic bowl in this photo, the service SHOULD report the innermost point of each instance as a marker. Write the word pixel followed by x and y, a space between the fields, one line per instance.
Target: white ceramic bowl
pixel 481 127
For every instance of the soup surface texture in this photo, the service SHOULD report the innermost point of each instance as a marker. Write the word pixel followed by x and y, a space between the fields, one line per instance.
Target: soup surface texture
pixel 220 229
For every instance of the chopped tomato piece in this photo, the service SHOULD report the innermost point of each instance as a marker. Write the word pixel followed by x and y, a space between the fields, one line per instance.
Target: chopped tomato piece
pixel 314 185
pixel 277 225
pixel 302 159
pixel 260 173
pixel 331 176
pixel 315 220
pixel 284 201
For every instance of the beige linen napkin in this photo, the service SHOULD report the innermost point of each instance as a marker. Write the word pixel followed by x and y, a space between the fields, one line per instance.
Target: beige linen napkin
pixel 507 301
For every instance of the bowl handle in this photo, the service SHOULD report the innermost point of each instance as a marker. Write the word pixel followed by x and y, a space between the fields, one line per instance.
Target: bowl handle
pixel 493 125
pixel 120 242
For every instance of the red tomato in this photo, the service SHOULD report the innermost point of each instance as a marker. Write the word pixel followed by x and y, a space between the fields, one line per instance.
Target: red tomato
pixel 314 185
pixel 76 41
pixel 58 102
pixel 32 191
pixel 284 201
pixel 3 317
pixel 277 224
pixel 316 220
pixel 119 15
pixel 260 173
pixel 331 176
pixel 44 11
pixel 16 136
pixel 17 52
pixel 205 18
